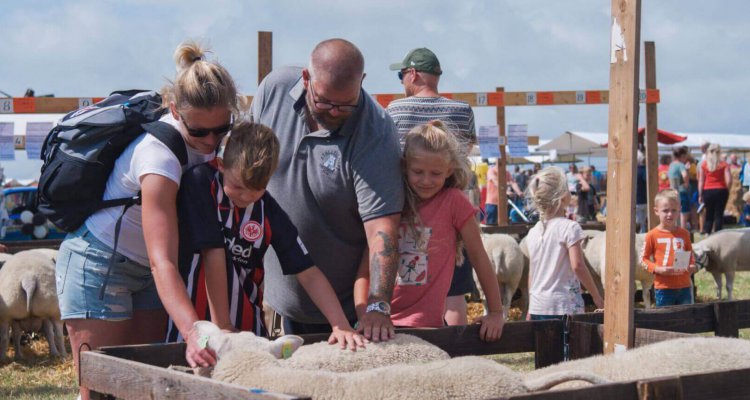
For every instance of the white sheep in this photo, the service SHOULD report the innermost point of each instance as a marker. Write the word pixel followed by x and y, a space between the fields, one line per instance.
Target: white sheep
pixel 595 253
pixel 472 377
pixel 410 376
pixel 671 357
pixel 508 264
pixel 27 290
pixel 323 356
pixel 724 252
pixel 4 257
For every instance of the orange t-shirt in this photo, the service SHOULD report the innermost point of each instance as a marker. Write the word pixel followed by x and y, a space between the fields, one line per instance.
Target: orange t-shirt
pixel 661 245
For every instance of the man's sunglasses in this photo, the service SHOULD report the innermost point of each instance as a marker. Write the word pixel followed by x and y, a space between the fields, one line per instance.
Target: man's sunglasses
pixel 203 132
pixel 402 73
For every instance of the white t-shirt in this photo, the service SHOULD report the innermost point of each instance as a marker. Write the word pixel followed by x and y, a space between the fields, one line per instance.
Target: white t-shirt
pixel 554 288
pixel 145 155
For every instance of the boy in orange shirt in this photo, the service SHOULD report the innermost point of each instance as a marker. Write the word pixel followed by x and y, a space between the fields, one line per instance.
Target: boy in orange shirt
pixel 666 244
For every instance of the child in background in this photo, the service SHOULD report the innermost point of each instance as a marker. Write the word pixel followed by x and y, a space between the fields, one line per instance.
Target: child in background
pixel 746 210
pixel 436 224
pixel 556 266
pixel 662 244
pixel 227 222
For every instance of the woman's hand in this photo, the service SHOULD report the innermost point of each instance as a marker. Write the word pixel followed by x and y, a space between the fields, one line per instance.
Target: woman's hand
pixel 347 337
pixel 197 354
pixel 492 326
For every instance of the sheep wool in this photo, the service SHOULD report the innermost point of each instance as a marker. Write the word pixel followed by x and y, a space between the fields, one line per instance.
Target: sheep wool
pixel 402 349
pixel 671 357
pixel 458 378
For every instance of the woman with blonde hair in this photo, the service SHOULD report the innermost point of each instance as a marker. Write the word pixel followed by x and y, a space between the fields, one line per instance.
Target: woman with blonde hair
pixel 144 280
pixel 714 180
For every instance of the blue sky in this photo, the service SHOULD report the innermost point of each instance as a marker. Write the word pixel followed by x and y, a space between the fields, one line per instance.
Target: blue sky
pixel 89 48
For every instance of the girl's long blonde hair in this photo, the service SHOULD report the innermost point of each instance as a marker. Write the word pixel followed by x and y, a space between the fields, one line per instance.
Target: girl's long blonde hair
pixel 433 137
pixel 546 192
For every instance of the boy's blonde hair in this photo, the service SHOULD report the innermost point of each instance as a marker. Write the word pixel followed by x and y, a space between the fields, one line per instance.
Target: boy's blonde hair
pixel 746 197
pixel 254 150
pixel 433 137
pixel 547 190
pixel 668 195
pixel 199 83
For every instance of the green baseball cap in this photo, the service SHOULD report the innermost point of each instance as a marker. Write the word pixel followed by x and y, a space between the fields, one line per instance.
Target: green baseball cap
pixel 422 60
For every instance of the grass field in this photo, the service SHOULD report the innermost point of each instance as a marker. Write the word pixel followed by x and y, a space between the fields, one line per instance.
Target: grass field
pixel 42 377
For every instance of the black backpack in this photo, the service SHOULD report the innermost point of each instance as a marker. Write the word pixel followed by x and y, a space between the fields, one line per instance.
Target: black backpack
pixel 80 153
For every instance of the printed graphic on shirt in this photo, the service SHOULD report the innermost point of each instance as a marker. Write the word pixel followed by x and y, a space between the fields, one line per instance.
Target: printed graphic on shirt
pixel 673 243
pixel 330 160
pixel 412 269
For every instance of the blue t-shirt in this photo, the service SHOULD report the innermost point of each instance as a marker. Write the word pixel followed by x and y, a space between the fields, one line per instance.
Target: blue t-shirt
pixel 676 178
pixel 746 215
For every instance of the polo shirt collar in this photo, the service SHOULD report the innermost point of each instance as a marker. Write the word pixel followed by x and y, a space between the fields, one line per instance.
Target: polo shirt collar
pixel 297 93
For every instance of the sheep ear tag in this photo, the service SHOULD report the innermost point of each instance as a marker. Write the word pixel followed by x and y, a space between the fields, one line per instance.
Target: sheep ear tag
pixel 285 346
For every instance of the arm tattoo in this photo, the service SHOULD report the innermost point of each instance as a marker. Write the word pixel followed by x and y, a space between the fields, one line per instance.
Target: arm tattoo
pixel 383 268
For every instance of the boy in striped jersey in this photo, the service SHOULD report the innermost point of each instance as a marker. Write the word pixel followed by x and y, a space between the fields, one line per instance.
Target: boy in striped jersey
pixel 227 223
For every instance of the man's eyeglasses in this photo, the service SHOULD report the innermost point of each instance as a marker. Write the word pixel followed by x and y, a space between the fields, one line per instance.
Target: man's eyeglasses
pixel 203 132
pixel 321 105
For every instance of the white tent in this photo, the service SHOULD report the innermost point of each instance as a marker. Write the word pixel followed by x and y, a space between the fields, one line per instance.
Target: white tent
pixel 728 141
pixel 577 143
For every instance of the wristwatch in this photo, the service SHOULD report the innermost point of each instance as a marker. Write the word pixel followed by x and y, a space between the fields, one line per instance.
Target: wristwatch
pixel 380 307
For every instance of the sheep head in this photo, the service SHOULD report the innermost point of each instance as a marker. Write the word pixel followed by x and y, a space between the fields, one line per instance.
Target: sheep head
pixel 224 342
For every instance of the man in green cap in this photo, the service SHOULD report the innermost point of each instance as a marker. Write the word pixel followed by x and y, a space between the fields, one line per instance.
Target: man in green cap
pixel 420 72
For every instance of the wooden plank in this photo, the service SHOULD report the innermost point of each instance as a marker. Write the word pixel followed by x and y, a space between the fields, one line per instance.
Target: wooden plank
pixel 649 140
pixel 511 229
pixel 584 339
pixel 502 206
pixel 643 336
pixel 725 315
pixel 265 54
pixel 549 344
pixel 157 355
pixel 660 389
pixel 623 125
pixel 464 340
pixel 695 318
pixel 611 391
pixel 726 385
pixel 133 380
pixel 20 245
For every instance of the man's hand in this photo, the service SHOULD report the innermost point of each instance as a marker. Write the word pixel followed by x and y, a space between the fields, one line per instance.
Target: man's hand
pixel 376 326
pixel 347 337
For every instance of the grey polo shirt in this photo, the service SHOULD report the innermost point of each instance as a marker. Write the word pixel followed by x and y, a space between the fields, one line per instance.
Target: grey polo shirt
pixel 329 183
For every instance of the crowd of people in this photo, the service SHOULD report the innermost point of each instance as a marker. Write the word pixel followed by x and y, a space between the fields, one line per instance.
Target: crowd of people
pixel 342 216
pixel 586 187
pixel 711 188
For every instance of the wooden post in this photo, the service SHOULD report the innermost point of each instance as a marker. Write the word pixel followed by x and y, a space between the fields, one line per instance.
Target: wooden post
pixel 649 140
pixel 623 125
pixel 265 54
pixel 502 197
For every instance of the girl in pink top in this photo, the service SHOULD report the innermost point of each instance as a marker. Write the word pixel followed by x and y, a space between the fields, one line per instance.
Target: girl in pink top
pixel 714 180
pixel 437 222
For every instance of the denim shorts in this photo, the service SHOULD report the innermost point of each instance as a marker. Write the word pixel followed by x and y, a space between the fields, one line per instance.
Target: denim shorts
pixel 673 297
pixel 80 272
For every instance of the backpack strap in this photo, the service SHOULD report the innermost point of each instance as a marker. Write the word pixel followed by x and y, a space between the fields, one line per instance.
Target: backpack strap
pixel 168 135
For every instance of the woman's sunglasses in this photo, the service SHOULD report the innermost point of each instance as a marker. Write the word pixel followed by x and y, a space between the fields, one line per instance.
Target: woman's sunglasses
pixel 203 132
